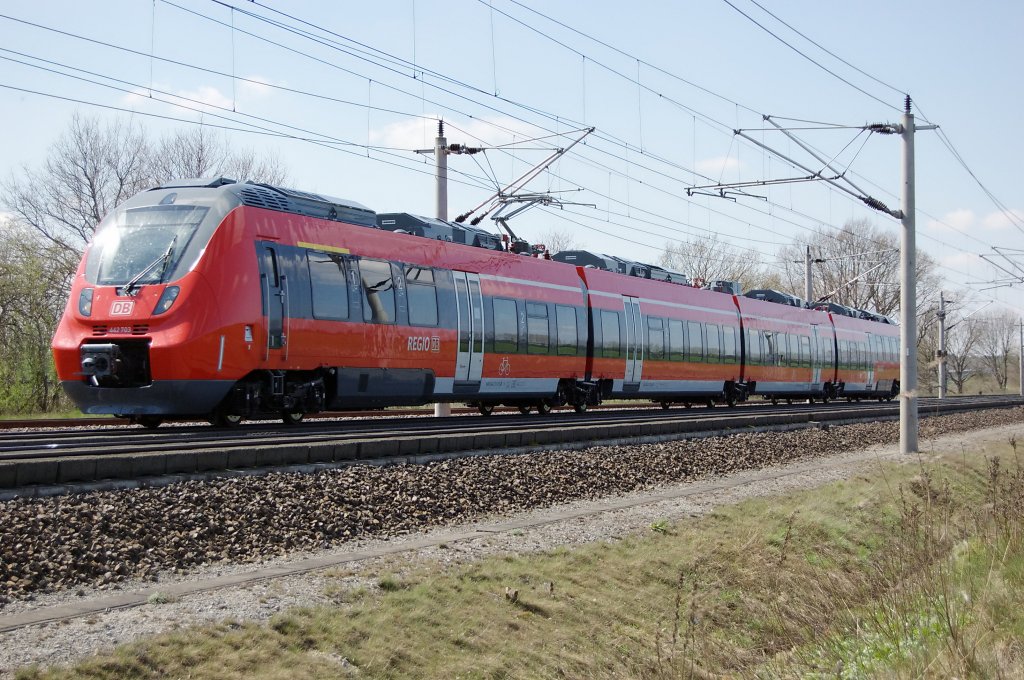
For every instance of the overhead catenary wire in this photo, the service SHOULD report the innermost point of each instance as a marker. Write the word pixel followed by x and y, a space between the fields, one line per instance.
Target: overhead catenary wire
pixel 630 161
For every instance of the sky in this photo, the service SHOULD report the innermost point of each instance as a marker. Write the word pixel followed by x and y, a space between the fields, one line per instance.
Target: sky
pixel 344 93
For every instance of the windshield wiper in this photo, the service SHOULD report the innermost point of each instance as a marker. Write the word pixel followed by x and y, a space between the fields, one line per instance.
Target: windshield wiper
pixel 164 260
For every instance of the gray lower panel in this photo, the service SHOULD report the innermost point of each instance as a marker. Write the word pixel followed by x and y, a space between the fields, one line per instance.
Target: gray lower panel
pixel 162 397
pixel 370 387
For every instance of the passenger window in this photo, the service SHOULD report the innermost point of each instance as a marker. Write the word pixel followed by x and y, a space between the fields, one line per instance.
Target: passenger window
pixel 378 291
pixel 655 337
pixel 537 328
pixel 714 342
pixel 729 345
pixel 328 283
pixel 506 326
pixel 565 320
pixel 422 295
pixel 610 345
pixel 676 340
pixel 753 346
pixel 694 341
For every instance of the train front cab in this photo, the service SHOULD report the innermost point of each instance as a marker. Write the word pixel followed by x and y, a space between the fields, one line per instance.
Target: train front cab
pixel 129 342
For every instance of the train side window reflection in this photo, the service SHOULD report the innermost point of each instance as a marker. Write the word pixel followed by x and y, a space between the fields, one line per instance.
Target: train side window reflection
pixel 714 342
pixel 694 341
pixel 655 337
pixel 328 281
pixel 729 351
pixel 378 291
pixel 610 345
pixel 506 326
pixel 537 328
pixel 774 351
pixel 422 295
pixel 565 325
pixel 676 340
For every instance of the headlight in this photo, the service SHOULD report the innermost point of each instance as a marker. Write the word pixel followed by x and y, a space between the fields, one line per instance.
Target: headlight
pixel 85 302
pixel 166 300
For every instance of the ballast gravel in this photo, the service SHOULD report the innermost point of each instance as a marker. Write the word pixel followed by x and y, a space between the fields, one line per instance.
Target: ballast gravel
pixel 64 549
pixel 102 538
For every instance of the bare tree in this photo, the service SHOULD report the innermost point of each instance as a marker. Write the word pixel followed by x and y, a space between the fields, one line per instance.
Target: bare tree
pixel 996 345
pixel 88 171
pixel 859 267
pixel 709 258
pixel 93 167
pixel 558 240
pixel 962 337
pixel 200 152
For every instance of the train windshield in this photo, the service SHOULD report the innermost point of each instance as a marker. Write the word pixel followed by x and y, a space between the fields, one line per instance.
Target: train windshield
pixel 142 245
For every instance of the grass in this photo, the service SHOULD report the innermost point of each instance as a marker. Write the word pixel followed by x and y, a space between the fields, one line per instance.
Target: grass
pixel 915 571
pixel 49 415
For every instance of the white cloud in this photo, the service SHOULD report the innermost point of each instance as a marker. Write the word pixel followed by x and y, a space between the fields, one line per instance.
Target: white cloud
pixel 205 94
pixel 718 167
pixel 999 220
pixel 965 220
pixel 256 86
pixel 957 220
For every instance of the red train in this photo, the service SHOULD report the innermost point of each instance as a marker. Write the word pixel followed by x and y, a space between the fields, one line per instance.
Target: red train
pixel 232 300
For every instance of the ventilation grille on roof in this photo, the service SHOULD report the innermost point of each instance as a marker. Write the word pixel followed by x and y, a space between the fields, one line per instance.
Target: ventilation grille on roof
pixel 263 198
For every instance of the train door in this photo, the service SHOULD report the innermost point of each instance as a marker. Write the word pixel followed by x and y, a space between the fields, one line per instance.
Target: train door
pixel 273 286
pixel 470 314
pixel 634 345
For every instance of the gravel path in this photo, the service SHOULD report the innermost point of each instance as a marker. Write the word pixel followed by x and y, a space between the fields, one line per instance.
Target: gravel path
pixel 74 549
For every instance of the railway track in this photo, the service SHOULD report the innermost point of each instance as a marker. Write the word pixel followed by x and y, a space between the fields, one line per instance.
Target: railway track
pixel 111 421
pixel 57 461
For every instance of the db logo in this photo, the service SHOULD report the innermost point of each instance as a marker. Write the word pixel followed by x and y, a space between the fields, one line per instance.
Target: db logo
pixel 122 307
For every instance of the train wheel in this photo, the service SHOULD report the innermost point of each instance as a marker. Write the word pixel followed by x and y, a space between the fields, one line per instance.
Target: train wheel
pixel 222 419
pixel 665 405
pixel 775 402
pixel 789 401
pixel 730 399
pixel 149 422
pixel 290 418
pixel 580 407
pixel 688 405
pixel 525 410
pixel 543 408
pixel 485 409
pixel 710 403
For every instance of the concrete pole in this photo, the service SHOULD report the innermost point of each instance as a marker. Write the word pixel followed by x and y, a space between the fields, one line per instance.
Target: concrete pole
pixel 942 345
pixel 807 276
pixel 908 296
pixel 441 410
pixel 1021 362
pixel 441 165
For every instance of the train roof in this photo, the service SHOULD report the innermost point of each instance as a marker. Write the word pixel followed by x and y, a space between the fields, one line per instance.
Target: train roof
pixel 283 199
pixel 440 230
pixel 610 263
pixel 776 296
